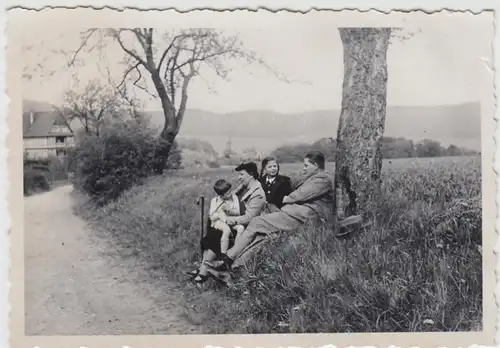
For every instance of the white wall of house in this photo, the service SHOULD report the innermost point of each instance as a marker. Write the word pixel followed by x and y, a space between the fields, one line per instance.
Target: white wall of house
pixel 42 147
pixel 35 143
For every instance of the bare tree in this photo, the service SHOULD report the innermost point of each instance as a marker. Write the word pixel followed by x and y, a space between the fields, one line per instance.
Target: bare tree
pixel 171 68
pixel 358 162
pixel 92 106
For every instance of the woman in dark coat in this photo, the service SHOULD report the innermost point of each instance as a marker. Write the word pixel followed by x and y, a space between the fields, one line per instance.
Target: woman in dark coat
pixel 275 185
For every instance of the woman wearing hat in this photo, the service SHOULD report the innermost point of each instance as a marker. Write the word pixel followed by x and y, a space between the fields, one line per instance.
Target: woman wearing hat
pixel 312 200
pixel 250 193
pixel 252 201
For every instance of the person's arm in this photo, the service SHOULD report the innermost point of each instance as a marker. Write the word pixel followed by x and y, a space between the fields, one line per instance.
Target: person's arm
pixel 288 186
pixel 212 214
pixel 253 208
pixel 311 189
pixel 285 189
pixel 233 209
pixel 221 215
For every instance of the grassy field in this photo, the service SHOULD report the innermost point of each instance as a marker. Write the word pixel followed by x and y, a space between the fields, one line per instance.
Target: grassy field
pixel 416 268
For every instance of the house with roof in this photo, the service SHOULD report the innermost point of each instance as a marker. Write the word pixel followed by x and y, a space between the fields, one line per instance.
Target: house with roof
pixel 45 131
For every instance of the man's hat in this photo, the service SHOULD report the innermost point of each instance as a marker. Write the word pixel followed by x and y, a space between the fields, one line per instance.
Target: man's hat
pixel 250 168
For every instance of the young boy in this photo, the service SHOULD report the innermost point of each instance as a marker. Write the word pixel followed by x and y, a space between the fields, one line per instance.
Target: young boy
pixel 222 205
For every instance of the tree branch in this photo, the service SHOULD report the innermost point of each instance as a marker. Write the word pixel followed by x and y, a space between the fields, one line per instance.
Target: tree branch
pixel 127 72
pixel 164 55
pixel 184 96
pixel 142 87
pixel 172 77
pixel 201 59
pixel 82 45
pixel 61 113
pixel 140 37
pixel 128 51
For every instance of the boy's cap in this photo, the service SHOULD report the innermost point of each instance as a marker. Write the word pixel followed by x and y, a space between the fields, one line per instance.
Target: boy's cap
pixel 249 167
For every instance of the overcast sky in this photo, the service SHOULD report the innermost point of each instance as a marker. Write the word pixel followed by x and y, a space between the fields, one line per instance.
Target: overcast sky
pixel 446 61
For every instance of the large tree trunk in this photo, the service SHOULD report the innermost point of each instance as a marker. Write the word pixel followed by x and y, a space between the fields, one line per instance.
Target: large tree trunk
pixel 361 126
pixel 170 128
pixel 162 152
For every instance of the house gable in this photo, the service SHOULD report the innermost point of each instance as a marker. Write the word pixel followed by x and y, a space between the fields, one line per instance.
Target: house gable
pixel 44 124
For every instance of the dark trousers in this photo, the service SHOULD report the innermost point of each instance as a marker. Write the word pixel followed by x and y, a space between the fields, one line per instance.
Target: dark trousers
pixel 211 240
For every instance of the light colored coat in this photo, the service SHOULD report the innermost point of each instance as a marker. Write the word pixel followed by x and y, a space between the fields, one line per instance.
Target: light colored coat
pixel 254 199
pixel 220 209
pixel 312 198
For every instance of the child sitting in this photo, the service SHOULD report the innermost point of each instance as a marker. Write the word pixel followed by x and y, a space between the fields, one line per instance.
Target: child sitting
pixel 224 204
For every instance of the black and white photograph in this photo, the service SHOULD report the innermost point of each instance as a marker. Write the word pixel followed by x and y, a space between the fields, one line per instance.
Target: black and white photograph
pixel 250 173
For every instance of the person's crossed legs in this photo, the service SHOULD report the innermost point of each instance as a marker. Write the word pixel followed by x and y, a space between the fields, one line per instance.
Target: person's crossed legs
pixel 265 224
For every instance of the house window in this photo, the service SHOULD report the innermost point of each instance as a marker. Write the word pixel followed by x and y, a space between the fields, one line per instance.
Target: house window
pixel 61 152
pixel 59 140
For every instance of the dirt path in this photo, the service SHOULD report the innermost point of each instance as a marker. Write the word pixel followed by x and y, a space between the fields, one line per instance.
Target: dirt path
pixel 76 285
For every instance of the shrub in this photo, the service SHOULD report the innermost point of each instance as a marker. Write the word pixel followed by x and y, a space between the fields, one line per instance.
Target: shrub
pixel 57 167
pixel 198 159
pixel 54 167
pixel 120 157
pixel 34 181
pixel 213 164
pixel 197 145
pixel 42 162
pixel 175 157
pixel 71 160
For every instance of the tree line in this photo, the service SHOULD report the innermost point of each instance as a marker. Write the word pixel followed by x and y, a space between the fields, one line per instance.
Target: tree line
pixel 199 153
pixel 392 147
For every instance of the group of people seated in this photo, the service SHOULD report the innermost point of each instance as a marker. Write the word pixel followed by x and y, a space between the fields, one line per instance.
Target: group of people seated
pixel 263 203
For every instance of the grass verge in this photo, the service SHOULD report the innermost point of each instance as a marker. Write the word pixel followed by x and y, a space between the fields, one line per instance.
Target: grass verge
pixel 416 267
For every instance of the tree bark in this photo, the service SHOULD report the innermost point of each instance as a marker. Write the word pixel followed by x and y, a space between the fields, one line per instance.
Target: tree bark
pixel 162 151
pixel 358 162
pixel 170 128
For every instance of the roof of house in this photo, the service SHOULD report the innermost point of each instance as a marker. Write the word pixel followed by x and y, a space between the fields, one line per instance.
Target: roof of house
pixel 43 121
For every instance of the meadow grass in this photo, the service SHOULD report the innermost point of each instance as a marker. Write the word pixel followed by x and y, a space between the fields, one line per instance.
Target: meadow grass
pixel 416 267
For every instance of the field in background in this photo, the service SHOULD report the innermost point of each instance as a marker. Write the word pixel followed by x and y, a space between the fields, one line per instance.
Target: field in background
pixel 402 163
pixel 416 268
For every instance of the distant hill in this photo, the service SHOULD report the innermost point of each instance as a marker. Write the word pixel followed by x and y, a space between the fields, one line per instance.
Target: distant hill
pixel 263 129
